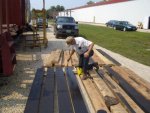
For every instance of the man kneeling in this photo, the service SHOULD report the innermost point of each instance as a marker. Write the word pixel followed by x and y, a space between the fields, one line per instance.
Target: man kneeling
pixel 84 49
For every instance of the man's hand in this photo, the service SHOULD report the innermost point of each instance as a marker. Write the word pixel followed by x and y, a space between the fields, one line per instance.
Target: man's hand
pixel 86 54
pixel 72 52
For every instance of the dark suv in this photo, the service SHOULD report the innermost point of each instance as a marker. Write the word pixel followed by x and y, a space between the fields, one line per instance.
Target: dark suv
pixel 65 26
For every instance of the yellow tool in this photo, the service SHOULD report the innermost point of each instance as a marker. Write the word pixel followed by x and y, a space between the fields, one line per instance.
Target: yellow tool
pixel 79 71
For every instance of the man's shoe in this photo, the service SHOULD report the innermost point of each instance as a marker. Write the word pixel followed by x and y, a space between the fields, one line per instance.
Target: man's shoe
pixel 96 66
pixel 84 77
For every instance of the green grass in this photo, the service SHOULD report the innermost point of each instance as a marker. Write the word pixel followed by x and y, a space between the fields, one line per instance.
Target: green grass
pixel 133 45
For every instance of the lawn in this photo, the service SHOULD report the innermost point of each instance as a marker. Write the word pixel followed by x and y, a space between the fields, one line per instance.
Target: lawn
pixel 133 45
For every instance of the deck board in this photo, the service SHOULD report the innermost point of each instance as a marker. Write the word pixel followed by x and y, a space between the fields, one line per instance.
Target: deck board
pixel 47 97
pixel 64 102
pixel 34 96
pixel 77 98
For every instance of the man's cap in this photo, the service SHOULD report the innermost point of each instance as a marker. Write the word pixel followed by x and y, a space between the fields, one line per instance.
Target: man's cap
pixel 69 39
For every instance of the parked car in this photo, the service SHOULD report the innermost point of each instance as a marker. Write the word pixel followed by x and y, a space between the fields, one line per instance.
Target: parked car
pixel 125 26
pixel 40 22
pixel 65 26
pixel 111 23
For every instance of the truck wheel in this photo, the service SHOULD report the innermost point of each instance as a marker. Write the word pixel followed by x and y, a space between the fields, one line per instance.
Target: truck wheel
pixel 56 36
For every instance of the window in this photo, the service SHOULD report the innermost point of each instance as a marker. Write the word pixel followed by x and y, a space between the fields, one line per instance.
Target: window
pixel 65 20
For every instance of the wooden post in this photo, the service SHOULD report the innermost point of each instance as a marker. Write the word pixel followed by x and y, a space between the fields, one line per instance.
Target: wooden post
pixel 43 4
pixel 7 15
pixel 0 17
pixel 44 24
pixel 70 12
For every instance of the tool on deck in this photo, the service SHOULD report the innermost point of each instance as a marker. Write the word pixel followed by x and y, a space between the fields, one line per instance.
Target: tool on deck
pixel 79 71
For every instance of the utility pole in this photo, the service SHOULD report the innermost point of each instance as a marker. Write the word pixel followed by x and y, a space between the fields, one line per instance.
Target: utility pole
pixel 44 24
pixel 43 4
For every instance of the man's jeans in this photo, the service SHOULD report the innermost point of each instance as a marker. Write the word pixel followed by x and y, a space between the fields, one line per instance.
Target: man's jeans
pixel 84 62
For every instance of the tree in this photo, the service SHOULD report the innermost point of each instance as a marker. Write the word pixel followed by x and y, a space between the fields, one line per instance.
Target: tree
pixel 35 15
pixel 60 8
pixel 53 11
pixel 90 2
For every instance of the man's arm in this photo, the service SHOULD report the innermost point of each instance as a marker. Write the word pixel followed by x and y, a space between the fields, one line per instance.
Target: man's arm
pixel 90 47
pixel 86 54
pixel 72 52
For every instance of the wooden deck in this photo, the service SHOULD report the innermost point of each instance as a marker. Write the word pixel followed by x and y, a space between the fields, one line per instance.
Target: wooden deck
pixel 113 88
pixel 53 92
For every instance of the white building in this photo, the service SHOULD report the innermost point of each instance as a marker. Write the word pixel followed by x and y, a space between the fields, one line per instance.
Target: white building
pixel 133 11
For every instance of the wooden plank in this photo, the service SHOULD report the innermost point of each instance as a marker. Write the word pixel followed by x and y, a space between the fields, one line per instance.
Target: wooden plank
pixel 66 56
pixel 75 60
pixel 95 97
pixel 64 102
pixel 109 57
pixel 128 103
pixel 77 99
pixel 117 109
pixel 52 59
pixel 47 95
pixel 137 78
pixel 108 96
pixel 98 59
pixel 136 96
pixel 137 85
pixel 104 90
pixel 60 62
pixel 56 55
pixel 47 60
pixel 105 60
pixel 85 96
pixel 32 105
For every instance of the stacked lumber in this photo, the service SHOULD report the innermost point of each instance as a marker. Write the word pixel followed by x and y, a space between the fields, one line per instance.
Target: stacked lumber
pixel 132 91
pixel 106 95
pixel 133 85
pixel 113 88
pixel 59 58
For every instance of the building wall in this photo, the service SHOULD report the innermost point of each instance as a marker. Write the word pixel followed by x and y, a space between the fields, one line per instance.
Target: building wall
pixel 133 11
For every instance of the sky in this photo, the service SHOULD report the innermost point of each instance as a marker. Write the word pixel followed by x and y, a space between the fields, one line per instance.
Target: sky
pixel 38 4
